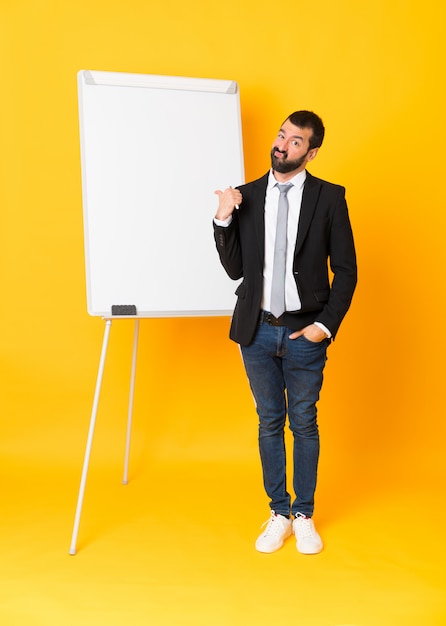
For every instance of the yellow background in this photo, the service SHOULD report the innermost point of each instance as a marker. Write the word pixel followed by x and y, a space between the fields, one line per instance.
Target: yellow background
pixel 375 73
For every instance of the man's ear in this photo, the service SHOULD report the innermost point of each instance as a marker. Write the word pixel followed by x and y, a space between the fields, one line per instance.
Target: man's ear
pixel 312 153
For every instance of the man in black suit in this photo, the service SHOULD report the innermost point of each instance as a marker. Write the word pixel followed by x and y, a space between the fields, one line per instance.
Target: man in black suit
pixel 288 310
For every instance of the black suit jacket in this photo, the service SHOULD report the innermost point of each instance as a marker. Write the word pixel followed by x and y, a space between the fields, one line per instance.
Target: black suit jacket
pixel 324 237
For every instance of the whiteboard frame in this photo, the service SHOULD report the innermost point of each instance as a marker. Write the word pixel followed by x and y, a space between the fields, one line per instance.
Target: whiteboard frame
pixel 222 288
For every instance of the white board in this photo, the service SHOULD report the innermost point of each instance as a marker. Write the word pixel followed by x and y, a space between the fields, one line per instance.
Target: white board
pixel 153 151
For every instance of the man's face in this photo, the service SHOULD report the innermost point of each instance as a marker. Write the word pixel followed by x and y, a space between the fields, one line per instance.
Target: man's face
pixel 291 149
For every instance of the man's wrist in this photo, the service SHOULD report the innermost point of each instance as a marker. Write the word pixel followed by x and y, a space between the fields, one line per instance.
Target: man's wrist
pixel 223 223
pixel 323 328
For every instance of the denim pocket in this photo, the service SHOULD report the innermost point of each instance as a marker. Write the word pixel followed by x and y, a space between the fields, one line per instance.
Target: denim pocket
pixel 313 343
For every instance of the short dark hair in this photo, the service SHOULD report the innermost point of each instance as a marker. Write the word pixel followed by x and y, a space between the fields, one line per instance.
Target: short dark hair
pixel 308 119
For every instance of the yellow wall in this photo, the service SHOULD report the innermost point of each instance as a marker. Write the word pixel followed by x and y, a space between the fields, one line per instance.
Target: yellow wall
pixel 375 73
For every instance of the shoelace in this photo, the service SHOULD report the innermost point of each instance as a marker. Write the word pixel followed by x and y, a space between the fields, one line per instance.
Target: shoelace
pixel 305 526
pixel 273 526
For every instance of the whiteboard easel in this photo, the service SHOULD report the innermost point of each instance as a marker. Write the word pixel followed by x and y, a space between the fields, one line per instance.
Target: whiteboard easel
pixel 153 151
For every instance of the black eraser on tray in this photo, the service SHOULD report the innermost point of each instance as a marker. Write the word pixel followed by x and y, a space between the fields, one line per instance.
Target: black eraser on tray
pixel 123 309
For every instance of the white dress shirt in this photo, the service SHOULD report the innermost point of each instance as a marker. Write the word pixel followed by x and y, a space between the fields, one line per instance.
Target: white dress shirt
pixel 294 195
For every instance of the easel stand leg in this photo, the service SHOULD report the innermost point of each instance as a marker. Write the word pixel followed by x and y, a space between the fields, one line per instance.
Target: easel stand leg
pixel 90 437
pixel 125 479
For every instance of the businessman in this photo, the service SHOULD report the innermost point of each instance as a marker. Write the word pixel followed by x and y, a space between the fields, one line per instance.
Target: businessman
pixel 281 234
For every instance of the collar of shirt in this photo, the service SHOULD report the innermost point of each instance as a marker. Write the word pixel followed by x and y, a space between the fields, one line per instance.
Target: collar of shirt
pixel 297 181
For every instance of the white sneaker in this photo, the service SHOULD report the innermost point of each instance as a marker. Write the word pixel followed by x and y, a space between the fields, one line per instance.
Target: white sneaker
pixel 307 539
pixel 278 529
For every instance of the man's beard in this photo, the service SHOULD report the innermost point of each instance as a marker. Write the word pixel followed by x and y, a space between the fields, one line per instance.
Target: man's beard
pixel 283 166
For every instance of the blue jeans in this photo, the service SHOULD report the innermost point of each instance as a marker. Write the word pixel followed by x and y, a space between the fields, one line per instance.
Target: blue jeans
pixel 286 375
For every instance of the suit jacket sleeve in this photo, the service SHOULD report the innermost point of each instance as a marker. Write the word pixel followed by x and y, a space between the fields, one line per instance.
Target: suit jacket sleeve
pixel 228 246
pixel 342 259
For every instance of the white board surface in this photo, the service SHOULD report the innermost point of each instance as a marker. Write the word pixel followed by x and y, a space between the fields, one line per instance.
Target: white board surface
pixel 153 151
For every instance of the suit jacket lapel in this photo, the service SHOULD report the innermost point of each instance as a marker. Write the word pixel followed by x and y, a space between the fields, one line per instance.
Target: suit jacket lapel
pixel 259 194
pixel 309 199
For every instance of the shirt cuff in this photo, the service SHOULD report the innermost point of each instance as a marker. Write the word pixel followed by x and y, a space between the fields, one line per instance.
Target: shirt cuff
pixel 223 223
pixel 324 328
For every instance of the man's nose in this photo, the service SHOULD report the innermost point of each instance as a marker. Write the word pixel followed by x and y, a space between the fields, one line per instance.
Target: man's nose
pixel 281 144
